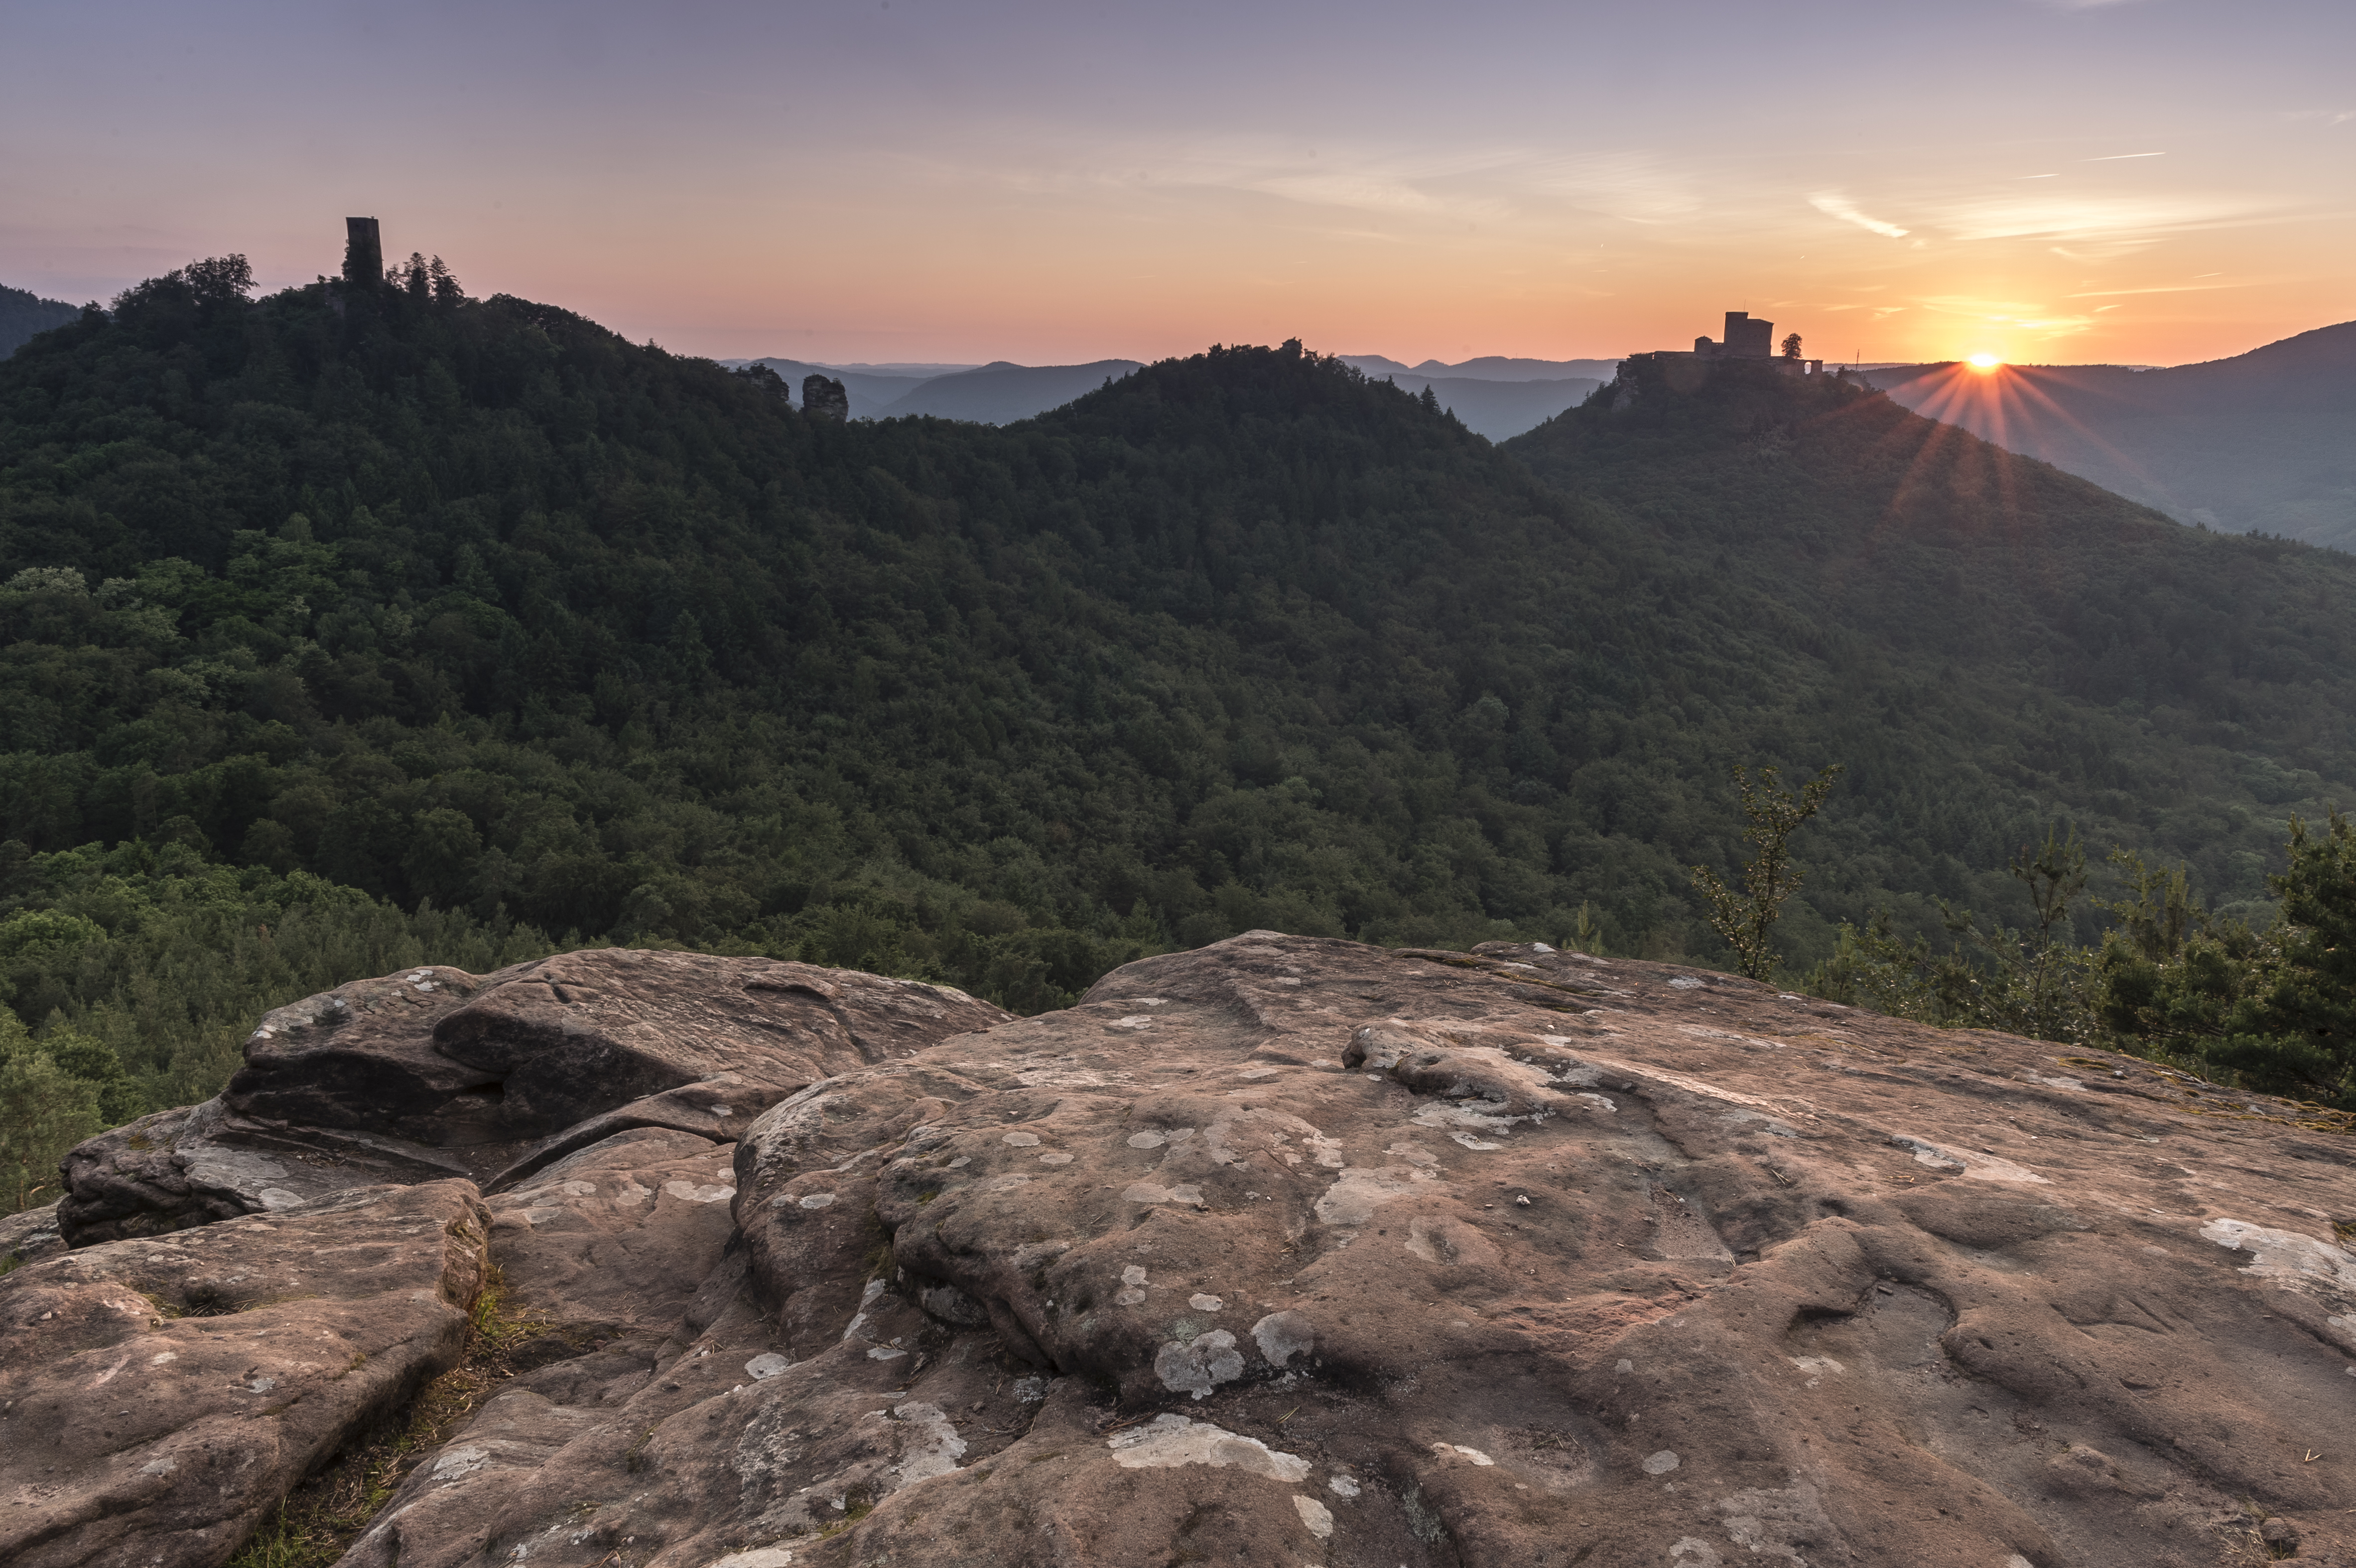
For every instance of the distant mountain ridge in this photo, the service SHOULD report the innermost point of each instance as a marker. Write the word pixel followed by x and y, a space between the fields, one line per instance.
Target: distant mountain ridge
pixel 2261 441
pixel 1002 393
pixel 24 314
pixel 871 390
pixel 1488 368
pixel 999 393
pixel 1497 409
pixel 1495 396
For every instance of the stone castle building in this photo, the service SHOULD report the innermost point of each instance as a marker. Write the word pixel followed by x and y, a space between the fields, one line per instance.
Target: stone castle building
pixel 1747 337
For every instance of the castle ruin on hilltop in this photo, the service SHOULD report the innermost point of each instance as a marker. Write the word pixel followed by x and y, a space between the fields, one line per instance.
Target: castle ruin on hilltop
pixel 1747 337
pixel 1749 340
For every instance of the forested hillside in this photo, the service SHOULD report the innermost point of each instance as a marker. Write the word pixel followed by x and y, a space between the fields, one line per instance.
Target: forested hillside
pixel 1988 643
pixel 358 625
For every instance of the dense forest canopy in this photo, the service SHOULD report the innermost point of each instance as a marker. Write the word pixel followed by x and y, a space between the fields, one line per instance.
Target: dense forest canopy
pixel 351 627
pixel 1988 643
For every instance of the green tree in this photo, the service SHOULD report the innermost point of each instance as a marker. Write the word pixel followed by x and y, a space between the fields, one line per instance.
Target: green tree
pixel 2275 1009
pixel 2303 1025
pixel 44 1110
pixel 1871 966
pixel 1745 920
pixel 2034 980
pixel 2171 980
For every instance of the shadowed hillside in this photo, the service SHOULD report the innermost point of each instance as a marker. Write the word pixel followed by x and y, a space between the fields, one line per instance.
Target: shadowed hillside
pixel 1983 639
pixel 2257 442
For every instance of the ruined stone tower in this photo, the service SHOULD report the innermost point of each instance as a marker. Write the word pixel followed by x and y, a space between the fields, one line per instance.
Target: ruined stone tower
pixel 1747 339
pixel 363 253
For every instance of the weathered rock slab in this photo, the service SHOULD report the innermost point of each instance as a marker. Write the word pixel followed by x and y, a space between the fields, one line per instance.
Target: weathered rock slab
pixel 1295 1251
pixel 433 1073
pixel 621 1234
pixel 198 1164
pixel 29 1235
pixel 159 1396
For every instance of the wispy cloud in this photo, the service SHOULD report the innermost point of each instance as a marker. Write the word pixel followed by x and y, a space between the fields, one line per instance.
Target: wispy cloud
pixel 2069 219
pixel 1502 184
pixel 1636 185
pixel 1370 191
pixel 2017 316
pixel 2101 251
pixel 2159 288
pixel 1833 204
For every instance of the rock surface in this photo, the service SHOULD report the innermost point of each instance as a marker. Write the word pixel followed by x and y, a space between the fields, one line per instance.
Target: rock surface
pixel 1297 1251
pixel 620 1235
pixel 158 1396
pixel 29 1235
pixel 434 1073
pixel 823 397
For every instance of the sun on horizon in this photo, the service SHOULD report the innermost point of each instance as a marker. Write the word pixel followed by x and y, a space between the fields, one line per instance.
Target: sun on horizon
pixel 1983 362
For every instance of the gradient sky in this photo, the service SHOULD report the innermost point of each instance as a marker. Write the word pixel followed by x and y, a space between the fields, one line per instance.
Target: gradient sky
pixel 2148 181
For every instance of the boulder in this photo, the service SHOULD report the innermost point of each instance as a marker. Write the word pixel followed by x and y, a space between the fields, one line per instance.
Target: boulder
pixel 1292 1251
pixel 159 1396
pixel 434 1073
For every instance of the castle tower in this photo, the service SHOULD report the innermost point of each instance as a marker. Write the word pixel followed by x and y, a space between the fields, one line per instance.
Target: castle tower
pixel 1748 339
pixel 363 253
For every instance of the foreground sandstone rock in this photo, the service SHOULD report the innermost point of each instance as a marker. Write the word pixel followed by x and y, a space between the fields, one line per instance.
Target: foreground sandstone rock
pixel 1297 1251
pixel 157 1397
pixel 435 1072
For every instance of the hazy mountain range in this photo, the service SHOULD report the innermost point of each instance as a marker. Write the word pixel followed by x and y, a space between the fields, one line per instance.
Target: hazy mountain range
pixel 2263 441
pixel 1495 396
pixel 1488 368
pixel 21 313
pixel 1499 409
pixel 2260 441
pixel 997 393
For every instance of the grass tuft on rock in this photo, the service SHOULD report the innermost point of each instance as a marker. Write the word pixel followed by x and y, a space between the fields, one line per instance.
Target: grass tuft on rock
pixel 319 1519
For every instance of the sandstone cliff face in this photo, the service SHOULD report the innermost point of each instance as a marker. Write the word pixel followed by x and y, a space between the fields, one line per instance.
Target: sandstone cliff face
pixel 1283 1251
